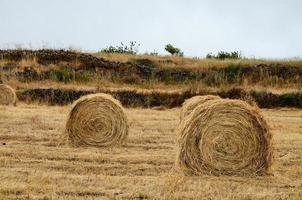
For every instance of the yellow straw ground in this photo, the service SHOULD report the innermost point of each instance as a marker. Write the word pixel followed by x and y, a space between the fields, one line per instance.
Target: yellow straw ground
pixel 36 163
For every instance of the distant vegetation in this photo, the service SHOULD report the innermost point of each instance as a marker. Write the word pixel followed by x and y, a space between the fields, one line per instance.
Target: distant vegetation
pixel 225 55
pixel 132 48
pixel 173 50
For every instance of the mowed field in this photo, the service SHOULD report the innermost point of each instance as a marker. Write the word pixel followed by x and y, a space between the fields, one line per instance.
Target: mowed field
pixel 37 163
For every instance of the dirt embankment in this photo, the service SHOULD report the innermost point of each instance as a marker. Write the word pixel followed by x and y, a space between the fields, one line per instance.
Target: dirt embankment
pixel 134 98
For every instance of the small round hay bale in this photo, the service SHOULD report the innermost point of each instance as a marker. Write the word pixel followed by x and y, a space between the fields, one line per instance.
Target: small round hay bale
pixel 97 120
pixel 224 137
pixel 7 95
pixel 189 105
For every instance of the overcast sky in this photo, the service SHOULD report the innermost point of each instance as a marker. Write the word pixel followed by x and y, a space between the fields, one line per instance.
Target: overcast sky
pixel 259 28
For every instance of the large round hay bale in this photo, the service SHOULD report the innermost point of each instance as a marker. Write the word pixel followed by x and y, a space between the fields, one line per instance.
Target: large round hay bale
pixel 7 95
pixel 224 137
pixel 97 120
pixel 189 105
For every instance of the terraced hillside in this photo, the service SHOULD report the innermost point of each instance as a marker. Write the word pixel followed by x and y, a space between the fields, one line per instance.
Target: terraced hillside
pixel 59 77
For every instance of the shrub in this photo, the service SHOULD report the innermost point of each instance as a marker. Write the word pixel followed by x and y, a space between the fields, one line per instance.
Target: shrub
pixel 173 50
pixel 225 55
pixel 132 48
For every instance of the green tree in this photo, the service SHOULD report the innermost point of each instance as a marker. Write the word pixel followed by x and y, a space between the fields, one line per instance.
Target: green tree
pixel 173 50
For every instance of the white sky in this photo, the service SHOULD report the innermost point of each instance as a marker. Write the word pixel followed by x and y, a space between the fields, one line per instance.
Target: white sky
pixel 260 28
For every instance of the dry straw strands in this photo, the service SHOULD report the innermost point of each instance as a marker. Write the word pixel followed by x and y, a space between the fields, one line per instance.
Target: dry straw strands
pixel 189 105
pixel 97 120
pixel 7 95
pixel 224 137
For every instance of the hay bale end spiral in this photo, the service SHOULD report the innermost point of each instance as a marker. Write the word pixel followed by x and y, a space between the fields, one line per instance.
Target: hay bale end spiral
pixel 97 120
pixel 224 137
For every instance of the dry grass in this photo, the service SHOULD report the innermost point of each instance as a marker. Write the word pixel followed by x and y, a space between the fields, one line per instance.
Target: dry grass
pixel 197 64
pixel 156 86
pixel 34 164
pixel 201 64
pixel 267 82
pixel 28 63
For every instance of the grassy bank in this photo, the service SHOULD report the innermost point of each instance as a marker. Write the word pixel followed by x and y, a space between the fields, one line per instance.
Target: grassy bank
pixel 149 98
pixel 67 66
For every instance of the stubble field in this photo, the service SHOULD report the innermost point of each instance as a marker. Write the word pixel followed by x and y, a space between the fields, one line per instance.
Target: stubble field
pixel 37 163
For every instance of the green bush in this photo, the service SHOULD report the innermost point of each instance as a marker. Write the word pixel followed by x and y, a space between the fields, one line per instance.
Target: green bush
pixel 222 55
pixel 173 50
pixel 132 48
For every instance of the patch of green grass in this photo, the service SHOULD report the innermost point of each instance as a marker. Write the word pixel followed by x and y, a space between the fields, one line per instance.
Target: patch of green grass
pixel 65 75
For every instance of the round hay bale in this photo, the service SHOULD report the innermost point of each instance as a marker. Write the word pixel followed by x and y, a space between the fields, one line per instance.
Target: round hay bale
pixel 189 105
pixel 224 137
pixel 97 120
pixel 7 95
